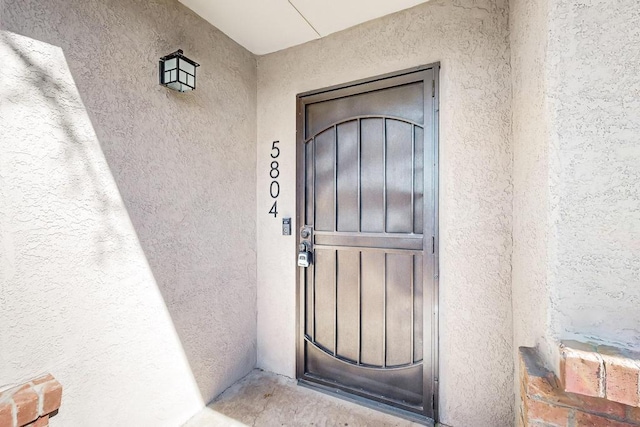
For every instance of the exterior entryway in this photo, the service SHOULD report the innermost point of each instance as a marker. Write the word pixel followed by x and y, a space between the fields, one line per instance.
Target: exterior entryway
pixel 367 203
pixel 264 399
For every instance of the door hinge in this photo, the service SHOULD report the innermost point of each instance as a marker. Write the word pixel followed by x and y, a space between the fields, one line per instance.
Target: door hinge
pixel 433 244
pixel 433 401
pixel 433 88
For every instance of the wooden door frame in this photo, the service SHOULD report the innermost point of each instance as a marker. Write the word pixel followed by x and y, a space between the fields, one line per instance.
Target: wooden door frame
pixel 431 114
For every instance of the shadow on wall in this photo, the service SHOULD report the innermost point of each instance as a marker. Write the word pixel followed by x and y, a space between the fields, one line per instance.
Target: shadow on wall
pixel 184 167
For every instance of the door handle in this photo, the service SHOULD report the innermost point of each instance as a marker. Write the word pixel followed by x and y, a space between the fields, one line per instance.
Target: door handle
pixel 305 258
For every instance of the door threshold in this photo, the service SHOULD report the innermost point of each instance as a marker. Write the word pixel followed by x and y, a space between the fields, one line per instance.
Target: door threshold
pixel 378 406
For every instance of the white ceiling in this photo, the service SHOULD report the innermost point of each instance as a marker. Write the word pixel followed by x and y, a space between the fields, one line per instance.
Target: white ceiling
pixel 264 26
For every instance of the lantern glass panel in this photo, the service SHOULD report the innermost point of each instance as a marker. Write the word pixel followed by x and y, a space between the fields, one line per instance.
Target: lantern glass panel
pixel 189 68
pixel 170 64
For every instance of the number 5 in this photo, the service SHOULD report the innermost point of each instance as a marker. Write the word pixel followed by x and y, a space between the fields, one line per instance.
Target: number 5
pixel 273 147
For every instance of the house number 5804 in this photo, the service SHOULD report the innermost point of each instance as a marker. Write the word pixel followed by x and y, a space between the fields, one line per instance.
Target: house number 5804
pixel 274 173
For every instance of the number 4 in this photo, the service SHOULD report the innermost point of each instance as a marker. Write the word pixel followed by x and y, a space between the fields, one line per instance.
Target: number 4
pixel 274 209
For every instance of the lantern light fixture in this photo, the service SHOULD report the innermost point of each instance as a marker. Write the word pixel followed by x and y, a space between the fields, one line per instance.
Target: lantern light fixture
pixel 178 72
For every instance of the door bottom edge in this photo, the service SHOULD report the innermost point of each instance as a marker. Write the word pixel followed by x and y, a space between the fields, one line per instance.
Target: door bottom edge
pixel 344 394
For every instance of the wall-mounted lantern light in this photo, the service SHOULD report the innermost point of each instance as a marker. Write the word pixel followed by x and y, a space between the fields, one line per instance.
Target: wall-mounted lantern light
pixel 178 72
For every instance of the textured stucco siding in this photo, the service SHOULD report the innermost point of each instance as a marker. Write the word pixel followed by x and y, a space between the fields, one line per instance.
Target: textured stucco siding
pixel 127 211
pixel 470 39
pixel 594 93
pixel 529 37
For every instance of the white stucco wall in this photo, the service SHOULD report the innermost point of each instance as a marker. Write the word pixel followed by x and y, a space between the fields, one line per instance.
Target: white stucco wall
pixel 576 121
pixel 127 211
pixel 594 94
pixel 470 39
pixel 531 297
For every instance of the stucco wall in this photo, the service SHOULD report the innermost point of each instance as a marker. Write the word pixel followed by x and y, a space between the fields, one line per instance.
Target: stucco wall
pixel 528 25
pixel 470 38
pixel 127 211
pixel 594 94
pixel 576 117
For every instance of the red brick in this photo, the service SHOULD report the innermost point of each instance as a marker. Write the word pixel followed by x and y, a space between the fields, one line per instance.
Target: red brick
pixel 17 389
pixel 534 379
pixel 550 414
pixel 552 403
pixel 6 414
pixel 633 414
pixel 52 395
pixel 540 386
pixel 43 379
pixel 595 404
pixel 588 420
pixel 583 372
pixel 622 380
pixel 40 422
pixel 523 397
pixel 26 401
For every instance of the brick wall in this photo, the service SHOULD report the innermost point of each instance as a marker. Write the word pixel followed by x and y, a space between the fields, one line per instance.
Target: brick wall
pixel 546 403
pixel 601 371
pixel 30 404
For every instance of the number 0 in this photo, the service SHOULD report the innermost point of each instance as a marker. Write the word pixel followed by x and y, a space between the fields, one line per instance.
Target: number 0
pixel 276 193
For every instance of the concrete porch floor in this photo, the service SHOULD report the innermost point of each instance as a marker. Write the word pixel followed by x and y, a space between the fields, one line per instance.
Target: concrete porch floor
pixel 263 399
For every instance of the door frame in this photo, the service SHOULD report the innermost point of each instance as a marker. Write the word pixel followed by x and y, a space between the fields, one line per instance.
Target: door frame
pixel 431 113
